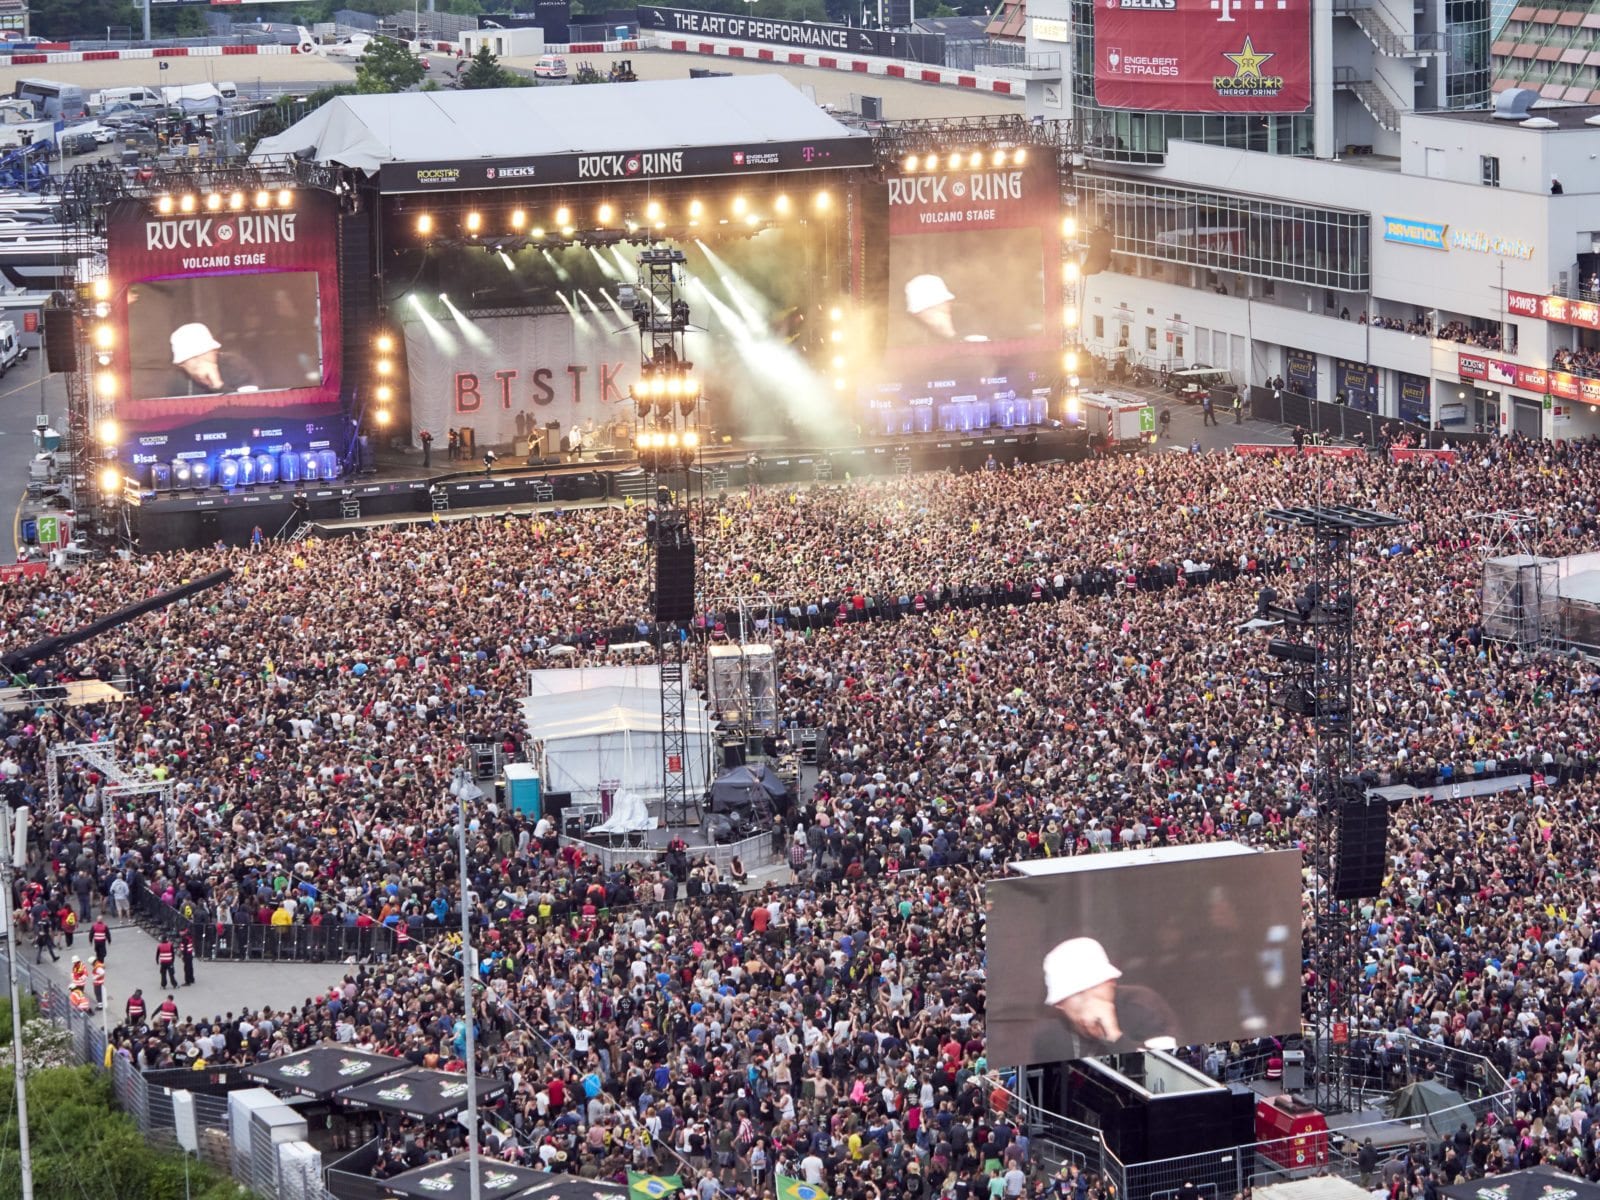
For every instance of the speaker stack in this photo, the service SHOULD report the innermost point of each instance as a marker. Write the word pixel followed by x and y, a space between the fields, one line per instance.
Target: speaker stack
pixel 675 582
pixel 1363 848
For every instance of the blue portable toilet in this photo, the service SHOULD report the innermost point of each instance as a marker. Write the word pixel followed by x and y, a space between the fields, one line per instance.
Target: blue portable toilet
pixel 523 789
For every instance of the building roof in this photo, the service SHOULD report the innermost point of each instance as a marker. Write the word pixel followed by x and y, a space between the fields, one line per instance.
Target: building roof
pixel 955 29
pixel 368 132
pixel 1008 20
pixel 1574 116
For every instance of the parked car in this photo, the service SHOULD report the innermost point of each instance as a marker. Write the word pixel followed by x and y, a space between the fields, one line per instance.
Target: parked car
pixel 78 143
pixel 550 66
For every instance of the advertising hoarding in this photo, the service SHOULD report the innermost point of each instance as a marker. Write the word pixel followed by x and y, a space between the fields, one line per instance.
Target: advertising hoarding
pixel 1219 56
pixel 225 329
pixel 1414 397
pixel 1142 949
pixel 797 35
pixel 1300 372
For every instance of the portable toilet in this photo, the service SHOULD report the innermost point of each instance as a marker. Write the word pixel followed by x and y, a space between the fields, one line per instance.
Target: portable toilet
pixel 524 790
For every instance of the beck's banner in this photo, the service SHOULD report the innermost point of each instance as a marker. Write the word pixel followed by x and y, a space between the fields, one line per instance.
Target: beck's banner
pixel 509 374
pixel 1216 56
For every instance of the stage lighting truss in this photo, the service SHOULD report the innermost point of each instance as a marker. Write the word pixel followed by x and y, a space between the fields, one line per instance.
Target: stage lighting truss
pixel 665 390
pixel 384 377
pixel 969 144
pixel 667 449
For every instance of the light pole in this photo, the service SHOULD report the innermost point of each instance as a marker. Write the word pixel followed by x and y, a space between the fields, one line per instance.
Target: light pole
pixel 12 856
pixel 463 787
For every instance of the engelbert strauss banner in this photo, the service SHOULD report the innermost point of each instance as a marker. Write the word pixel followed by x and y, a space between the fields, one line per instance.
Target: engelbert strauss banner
pixel 1214 56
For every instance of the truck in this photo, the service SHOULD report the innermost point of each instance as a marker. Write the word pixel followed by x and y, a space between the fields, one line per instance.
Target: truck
pixel 11 351
pixel 200 97
pixel 1118 420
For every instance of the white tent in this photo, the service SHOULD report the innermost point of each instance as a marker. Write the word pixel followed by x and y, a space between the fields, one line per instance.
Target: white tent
pixel 610 735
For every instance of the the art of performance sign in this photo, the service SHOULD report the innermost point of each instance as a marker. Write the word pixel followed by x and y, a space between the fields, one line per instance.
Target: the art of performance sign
pixel 1213 56
pixel 799 35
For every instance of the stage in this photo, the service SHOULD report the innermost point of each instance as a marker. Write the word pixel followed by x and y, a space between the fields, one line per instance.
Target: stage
pixel 402 490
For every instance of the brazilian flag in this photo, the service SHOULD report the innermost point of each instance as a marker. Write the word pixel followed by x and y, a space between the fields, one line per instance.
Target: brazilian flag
pixel 653 1187
pixel 799 1189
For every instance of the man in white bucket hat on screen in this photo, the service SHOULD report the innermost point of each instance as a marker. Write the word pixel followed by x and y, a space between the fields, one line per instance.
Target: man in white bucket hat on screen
pixel 931 303
pixel 1081 985
pixel 202 366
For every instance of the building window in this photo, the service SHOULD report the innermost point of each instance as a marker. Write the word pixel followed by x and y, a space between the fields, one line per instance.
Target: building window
pixel 1150 338
pixel 1099 328
pixel 1489 168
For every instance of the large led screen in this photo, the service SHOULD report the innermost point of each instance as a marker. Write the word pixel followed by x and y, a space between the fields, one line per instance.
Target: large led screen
pixel 1142 950
pixel 222 326
pixel 211 336
pixel 948 288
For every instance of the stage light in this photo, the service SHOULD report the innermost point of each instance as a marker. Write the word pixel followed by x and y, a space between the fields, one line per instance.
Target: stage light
pixel 1069 272
pixel 838 384
pixel 100 289
pixel 518 219
pixel 474 223
pixel 384 344
pixel 998 158
pixel 186 204
pixel 263 199
pixel 836 336
pixel 838 362
pixel 780 205
pixel 824 201
pixel 567 231
pixel 383 393
pixel 536 232
pixel 563 216
pixel 672 440
pixel 425 224
pixel 382 417
pixel 1074 406
pixel 214 201
pixel 443 299
pixel 110 480
pixel 383 366
pixel 661 224
pixel 675 385
pixel 1020 155
pixel 1069 361
pixel 931 163
pixel 910 165
pixel 652 211
pixel 164 205
pixel 1069 317
pixel 1069 227
pixel 751 219
pixel 236 201
pixel 605 212
pixel 975 159
pixel 691 439
pixel 106 384
pixel 108 431
pixel 102 310
pixel 695 208
pixel 836 314
pixel 104 337
pixel 285 197
pixel 739 206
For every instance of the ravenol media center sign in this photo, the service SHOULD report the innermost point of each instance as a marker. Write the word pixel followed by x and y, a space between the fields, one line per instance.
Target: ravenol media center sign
pixel 1415 233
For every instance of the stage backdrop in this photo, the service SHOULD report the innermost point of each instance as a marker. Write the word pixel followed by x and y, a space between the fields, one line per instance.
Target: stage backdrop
pixel 1204 949
pixel 1221 56
pixel 538 368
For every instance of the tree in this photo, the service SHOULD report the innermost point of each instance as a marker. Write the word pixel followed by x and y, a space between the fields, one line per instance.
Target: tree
pixel 270 123
pixel 484 71
pixel 83 1146
pixel 388 66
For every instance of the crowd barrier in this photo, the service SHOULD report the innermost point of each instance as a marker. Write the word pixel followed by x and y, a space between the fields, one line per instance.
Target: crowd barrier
pixel 1321 419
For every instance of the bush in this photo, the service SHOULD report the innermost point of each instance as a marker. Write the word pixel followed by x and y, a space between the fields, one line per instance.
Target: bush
pixel 30 1010
pixel 83 1146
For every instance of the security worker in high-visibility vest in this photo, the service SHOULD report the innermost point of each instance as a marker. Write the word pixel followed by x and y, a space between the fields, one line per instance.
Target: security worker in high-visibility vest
pixel 165 956
pixel 98 974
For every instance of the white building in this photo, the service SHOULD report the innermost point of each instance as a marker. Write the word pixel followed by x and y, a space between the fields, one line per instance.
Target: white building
pixel 1259 243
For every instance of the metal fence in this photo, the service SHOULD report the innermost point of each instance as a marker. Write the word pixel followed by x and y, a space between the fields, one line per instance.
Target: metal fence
pixel 149 1103
pixel 1324 420
pixel 754 852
